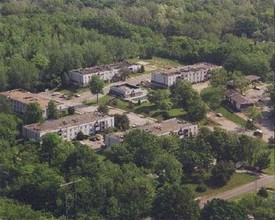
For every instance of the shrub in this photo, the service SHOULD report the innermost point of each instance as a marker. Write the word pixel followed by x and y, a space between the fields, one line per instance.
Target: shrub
pixel 262 192
pixel 201 188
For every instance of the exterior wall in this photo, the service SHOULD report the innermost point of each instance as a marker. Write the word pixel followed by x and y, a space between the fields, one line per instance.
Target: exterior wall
pixel 127 94
pixel 70 133
pixel 110 140
pixel 167 80
pixel 190 131
pixel 84 79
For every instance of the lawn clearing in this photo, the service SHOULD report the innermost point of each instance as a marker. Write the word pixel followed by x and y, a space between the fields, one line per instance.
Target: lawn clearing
pixel 231 116
pixel 236 180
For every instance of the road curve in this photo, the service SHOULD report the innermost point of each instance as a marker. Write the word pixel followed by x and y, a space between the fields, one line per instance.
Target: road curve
pixel 261 182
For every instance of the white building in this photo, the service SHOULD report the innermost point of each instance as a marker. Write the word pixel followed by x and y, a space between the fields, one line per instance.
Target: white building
pixel 192 73
pixel 20 99
pixel 82 77
pixel 171 126
pixel 68 127
pixel 129 92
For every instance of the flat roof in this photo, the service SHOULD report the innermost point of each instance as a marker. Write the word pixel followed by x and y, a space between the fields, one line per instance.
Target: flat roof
pixel 167 126
pixel 68 121
pixel 27 97
pixel 189 68
pixel 125 86
pixel 105 67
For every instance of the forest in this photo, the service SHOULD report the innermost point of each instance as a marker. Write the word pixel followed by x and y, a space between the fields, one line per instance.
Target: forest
pixel 146 176
pixel 41 40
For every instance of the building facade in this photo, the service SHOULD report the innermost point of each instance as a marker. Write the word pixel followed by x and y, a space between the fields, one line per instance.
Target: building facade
pixel 196 73
pixel 128 92
pixel 237 101
pixel 68 127
pixel 171 126
pixel 82 77
pixel 20 99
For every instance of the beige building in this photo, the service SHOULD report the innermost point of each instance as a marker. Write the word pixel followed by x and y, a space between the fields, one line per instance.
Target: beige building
pixel 68 127
pixel 171 126
pixel 196 73
pixel 82 77
pixel 21 98
pixel 129 92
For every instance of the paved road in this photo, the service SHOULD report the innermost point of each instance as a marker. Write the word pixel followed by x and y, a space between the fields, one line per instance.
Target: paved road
pixel 253 186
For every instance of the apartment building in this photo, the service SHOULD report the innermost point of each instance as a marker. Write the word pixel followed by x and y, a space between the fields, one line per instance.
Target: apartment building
pixel 68 127
pixel 129 92
pixel 82 77
pixel 196 73
pixel 20 98
pixel 171 126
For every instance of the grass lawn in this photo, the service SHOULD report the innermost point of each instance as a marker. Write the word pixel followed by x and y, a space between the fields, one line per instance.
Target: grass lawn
pixel 231 116
pixel 271 168
pixel 236 180
pixel 157 62
pixel 149 109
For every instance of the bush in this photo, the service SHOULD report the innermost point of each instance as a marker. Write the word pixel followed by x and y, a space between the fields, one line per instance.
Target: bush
pixel 201 188
pixel 262 192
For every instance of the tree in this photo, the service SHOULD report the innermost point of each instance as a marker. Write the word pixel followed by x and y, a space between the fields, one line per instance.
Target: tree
pixel 65 81
pixel 168 168
pixel 71 110
pixel 96 86
pixel 262 192
pixel 5 105
pixel 122 122
pixel 50 143
pixel 103 108
pixel 221 209
pixel 80 136
pixel 8 128
pixel 261 159
pixel 124 73
pixel 160 98
pixel 52 111
pixel 174 201
pixel 33 113
pixel 239 81
pixel 219 78
pixel 221 173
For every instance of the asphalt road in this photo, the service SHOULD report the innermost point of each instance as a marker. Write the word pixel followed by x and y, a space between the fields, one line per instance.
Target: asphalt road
pixel 253 186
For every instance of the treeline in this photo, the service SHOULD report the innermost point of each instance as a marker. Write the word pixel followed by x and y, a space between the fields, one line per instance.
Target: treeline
pixel 40 41
pixel 144 176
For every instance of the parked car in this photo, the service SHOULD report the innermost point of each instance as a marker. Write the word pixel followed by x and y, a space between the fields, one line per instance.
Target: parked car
pixel 256 88
pixel 219 114
pixel 258 133
pixel 77 95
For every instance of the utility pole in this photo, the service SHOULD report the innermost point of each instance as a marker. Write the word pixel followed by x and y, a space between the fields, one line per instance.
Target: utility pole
pixel 74 203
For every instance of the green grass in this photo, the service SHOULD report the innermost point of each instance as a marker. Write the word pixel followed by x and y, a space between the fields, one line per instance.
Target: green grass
pixel 236 180
pixel 101 101
pixel 149 109
pixel 231 116
pixel 227 114
pixel 157 62
pixel 271 169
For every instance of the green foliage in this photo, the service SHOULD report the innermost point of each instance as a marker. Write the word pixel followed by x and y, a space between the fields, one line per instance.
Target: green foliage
pixel 221 209
pixel 122 122
pixel 12 210
pixel 221 173
pixel 262 192
pixel 8 128
pixel 71 110
pixel 52 111
pixel 160 98
pixel 259 207
pixel 201 188
pixel 96 85
pixel 175 202
pixel 33 113
pixel 103 108
pixel 184 96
